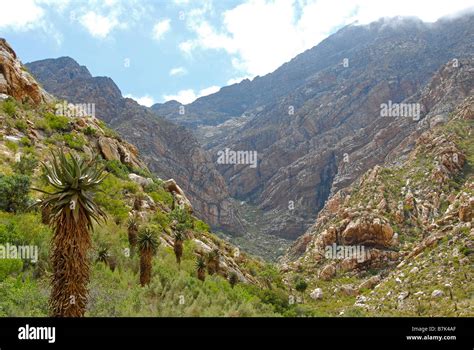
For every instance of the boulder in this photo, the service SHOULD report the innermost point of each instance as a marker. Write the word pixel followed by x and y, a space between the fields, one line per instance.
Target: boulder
pixel 365 231
pixel 142 181
pixel 403 295
pixel 465 213
pixel 108 148
pixel 349 289
pixel 180 198
pixel 327 272
pixel 317 294
pixel 370 283
pixel 201 246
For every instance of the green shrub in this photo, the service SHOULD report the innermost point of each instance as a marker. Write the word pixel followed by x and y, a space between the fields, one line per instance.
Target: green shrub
pixel 117 168
pixel 14 192
pixel 25 141
pixel 183 218
pixel 111 197
pixel 90 131
pixel 21 125
pixel 130 187
pixel 201 226
pixel 25 229
pixel 162 219
pixel 9 266
pixel 9 107
pixel 22 297
pixel 57 122
pixel 26 165
pixel 12 146
pixel 162 196
pixel 74 141
pixel 9 233
pixel 145 173
pixel 42 124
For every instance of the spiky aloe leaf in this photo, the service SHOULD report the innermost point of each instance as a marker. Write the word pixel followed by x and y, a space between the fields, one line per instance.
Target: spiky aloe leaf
pixel 200 263
pixel 148 239
pixel 102 255
pixel 74 180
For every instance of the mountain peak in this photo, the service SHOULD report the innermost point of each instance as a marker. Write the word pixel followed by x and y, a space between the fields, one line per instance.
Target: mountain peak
pixel 59 70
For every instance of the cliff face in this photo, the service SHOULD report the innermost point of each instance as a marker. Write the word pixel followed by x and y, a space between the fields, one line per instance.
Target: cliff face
pixel 15 81
pixel 26 132
pixel 316 121
pixel 408 219
pixel 168 150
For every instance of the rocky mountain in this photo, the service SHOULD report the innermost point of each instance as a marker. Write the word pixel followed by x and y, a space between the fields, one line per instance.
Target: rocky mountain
pixel 30 129
pixel 393 187
pixel 167 149
pixel 410 219
pixel 316 121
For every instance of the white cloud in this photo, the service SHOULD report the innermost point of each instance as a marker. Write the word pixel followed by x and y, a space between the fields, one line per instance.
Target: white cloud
pixel 236 80
pixel 260 35
pixel 188 95
pixel 20 14
pixel 98 26
pixel 161 28
pixel 24 15
pixel 183 96
pixel 177 71
pixel 146 100
pixel 208 91
pixel 100 18
pixel 427 10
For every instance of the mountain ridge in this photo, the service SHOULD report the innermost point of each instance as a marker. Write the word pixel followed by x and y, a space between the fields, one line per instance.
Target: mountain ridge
pixel 158 140
pixel 301 133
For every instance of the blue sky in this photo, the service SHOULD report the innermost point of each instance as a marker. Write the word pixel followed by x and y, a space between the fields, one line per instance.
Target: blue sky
pixel 157 50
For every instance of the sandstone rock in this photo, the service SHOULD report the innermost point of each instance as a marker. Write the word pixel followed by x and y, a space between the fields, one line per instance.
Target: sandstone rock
pixel 142 181
pixel 364 231
pixel 403 295
pixel 348 264
pixel 108 148
pixel 15 81
pixel 178 194
pixel 349 290
pixel 317 294
pixel 327 272
pixel 360 301
pixel 370 283
pixel 201 246
pixel 465 213
pixel 326 238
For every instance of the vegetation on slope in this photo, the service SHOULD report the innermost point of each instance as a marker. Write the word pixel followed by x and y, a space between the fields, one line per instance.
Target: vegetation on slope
pixel 27 136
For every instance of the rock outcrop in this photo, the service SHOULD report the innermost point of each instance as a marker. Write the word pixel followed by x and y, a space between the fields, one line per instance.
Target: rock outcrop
pixel 316 121
pixel 410 219
pixel 15 81
pixel 168 150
